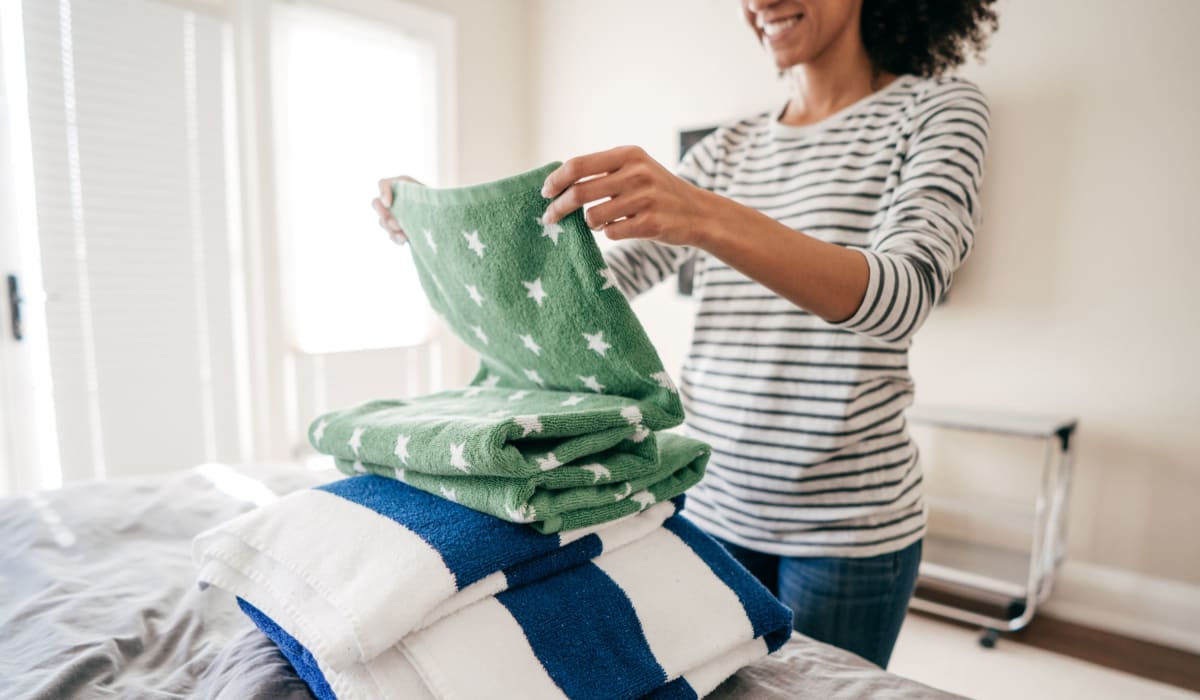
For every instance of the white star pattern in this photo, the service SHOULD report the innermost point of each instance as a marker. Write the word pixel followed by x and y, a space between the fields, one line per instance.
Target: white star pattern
pixel 622 496
pixel 319 431
pixel 355 441
pixel 429 240
pixel 664 380
pixel 529 424
pixel 400 473
pixel 358 467
pixel 457 460
pixel 479 334
pixel 475 295
pixel 610 278
pixel 534 377
pixel 598 470
pixel 572 400
pixel 401 450
pixel 595 341
pixel 551 231
pixel 449 494
pixel 474 243
pixel 633 415
pixel 645 499
pixel 592 383
pixel 535 291
pixel 518 395
pixel 520 514
pixel 548 462
pixel 533 346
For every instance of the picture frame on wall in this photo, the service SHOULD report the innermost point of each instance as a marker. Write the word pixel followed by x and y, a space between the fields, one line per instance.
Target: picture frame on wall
pixel 685 280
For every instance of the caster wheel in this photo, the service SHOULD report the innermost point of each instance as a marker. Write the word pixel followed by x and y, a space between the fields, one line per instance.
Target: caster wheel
pixel 988 639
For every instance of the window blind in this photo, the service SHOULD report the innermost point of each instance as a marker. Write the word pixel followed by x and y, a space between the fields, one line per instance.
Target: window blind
pixel 127 106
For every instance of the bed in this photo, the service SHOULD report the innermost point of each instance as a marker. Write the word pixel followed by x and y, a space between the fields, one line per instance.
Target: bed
pixel 98 600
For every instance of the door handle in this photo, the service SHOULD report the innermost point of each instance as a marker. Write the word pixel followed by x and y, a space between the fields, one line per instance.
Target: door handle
pixel 14 306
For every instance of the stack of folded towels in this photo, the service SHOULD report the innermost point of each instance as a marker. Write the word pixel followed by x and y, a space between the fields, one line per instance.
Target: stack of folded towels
pixel 519 537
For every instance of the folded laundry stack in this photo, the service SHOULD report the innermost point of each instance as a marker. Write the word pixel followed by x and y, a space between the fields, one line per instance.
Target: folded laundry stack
pixel 559 427
pixel 374 589
pixel 586 465
pixel 519 537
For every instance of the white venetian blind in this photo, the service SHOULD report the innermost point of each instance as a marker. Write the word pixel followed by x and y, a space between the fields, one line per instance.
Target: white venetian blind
pixel 127 107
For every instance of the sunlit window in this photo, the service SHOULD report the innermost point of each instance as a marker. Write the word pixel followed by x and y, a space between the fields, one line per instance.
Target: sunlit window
pixel 355 100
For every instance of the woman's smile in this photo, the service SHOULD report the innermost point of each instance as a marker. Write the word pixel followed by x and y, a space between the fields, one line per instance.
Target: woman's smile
pixel 779 31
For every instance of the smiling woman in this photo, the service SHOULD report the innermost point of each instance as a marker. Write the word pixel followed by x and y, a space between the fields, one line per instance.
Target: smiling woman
pixel 825 230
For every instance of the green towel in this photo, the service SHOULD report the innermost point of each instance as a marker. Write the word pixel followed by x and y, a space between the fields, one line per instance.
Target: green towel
pixel 559 427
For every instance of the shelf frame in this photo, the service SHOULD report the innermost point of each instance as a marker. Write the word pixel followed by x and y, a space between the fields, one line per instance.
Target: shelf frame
pixel 1048 542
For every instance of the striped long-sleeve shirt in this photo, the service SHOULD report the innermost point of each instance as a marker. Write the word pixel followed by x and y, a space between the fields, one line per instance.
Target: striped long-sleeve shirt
pixel 811 454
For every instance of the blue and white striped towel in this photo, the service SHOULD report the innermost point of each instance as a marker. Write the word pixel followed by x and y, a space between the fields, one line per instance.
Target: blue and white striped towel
pixel 334 561
pixel 667 615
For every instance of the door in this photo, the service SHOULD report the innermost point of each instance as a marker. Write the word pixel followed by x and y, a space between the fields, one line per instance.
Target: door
pixel 28 450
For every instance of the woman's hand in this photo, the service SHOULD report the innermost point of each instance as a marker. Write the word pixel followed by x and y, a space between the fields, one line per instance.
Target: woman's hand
pixel 382 205
pixel 644 199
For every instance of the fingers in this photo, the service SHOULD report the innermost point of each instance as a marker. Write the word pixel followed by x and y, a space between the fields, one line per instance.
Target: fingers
pixel 385 191
pixel 383 207
pixel 630 227
pixel 387 221
pixel 605 213
pixel 582 193
pixel 590 165
pixel 386 218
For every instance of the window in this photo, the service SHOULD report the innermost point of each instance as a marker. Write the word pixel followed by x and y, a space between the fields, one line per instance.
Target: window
pixel 152 141
pixel 127 136
pixel 355 100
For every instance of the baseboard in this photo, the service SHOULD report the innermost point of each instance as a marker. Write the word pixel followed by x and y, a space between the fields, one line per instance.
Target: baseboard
pixel 1134 605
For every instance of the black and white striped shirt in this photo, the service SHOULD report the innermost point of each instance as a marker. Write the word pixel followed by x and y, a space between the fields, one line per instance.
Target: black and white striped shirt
pixel 811 454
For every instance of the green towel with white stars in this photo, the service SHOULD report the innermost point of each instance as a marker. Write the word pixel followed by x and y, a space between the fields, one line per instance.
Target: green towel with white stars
pixel 560 427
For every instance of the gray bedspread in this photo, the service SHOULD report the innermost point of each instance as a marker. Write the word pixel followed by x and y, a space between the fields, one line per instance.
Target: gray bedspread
pixel 98 600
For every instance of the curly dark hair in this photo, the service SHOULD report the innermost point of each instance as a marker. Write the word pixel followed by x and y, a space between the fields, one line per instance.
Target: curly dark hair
pixel 925 37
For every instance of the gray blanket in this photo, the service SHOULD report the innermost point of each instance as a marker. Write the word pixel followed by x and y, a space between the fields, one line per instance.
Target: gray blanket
pixel 98 600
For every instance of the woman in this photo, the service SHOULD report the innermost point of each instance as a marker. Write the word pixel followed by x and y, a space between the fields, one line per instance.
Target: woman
pixel 825 231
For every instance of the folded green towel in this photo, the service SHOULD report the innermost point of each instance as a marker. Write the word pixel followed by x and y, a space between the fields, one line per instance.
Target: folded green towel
pixel 559 426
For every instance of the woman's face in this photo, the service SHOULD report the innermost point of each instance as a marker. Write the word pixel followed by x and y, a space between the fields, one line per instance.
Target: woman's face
pixel 798 31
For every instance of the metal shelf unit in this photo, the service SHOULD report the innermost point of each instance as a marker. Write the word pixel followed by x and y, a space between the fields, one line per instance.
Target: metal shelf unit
pixel 1023 580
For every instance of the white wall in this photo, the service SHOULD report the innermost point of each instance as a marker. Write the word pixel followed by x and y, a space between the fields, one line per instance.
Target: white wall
pixel 1077 299
pixel 493 87
pixel 626 72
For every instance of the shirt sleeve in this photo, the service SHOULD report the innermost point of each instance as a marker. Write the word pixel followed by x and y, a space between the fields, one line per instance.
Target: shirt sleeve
pixel 638 265
pixel 929 229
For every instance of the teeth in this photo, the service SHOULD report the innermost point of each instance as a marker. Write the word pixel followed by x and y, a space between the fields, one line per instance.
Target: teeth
pixel 775 28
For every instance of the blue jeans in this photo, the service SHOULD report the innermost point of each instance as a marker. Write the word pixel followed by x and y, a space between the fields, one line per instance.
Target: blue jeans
pixel 855 604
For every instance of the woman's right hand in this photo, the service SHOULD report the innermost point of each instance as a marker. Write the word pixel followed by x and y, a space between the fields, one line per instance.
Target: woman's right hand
pixel 382 205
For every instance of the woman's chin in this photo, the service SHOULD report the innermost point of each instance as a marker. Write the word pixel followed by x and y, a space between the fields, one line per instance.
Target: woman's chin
pixel 790 56
pixel 786 63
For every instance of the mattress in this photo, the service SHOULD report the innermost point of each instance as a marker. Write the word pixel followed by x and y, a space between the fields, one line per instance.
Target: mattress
pixel 98 600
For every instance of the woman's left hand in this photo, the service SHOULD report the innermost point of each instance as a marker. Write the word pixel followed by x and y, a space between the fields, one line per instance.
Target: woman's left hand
pixel 644 199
